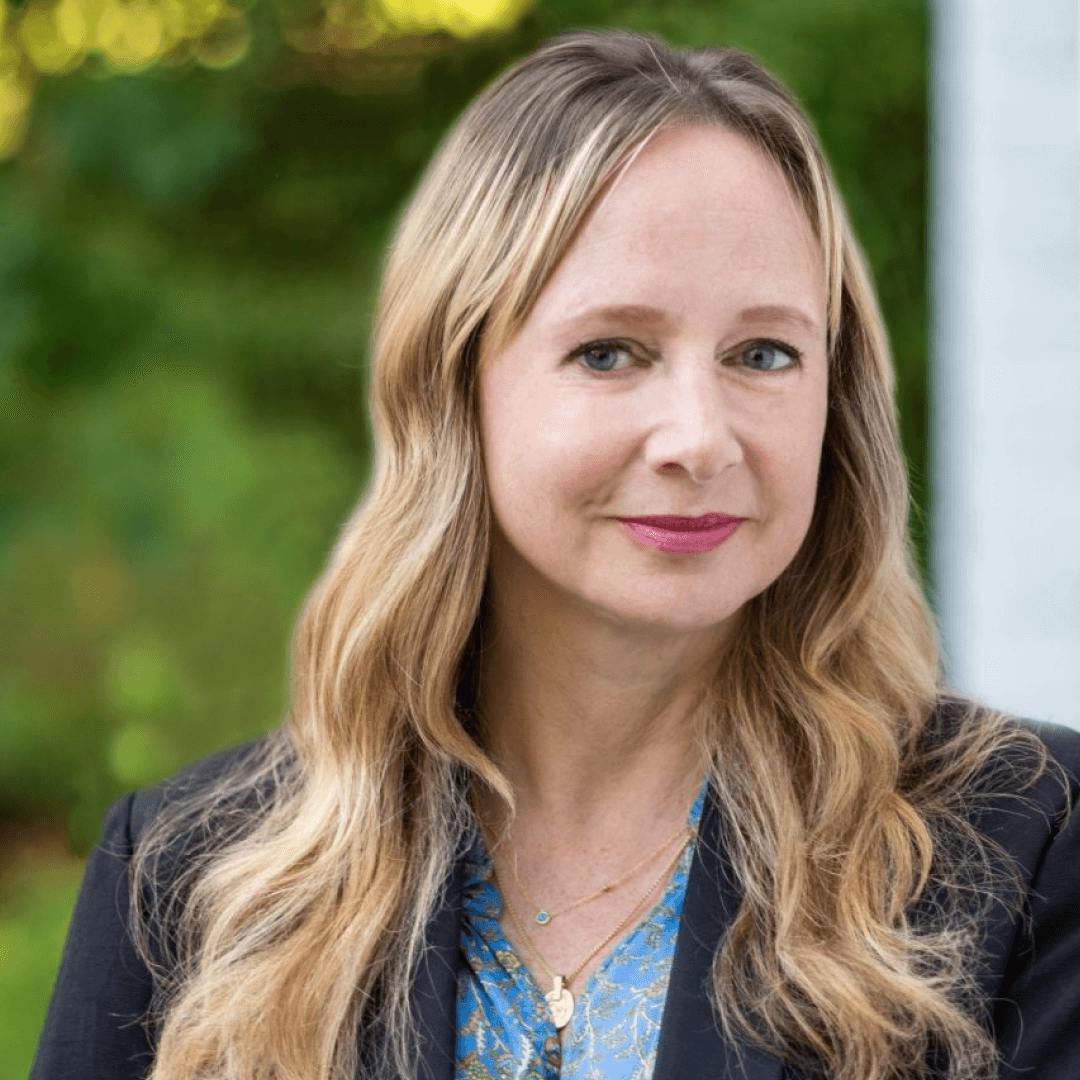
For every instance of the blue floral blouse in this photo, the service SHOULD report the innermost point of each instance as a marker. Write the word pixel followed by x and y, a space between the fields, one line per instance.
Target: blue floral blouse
pixel 504 1029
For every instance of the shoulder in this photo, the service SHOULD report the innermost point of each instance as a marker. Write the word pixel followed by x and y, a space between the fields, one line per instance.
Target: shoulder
pixel 1036 995
pixel 958 723
pixel 1057 788
pixel 240 768
pixel 1015 779
pixel 1062 741
pixel 1056 793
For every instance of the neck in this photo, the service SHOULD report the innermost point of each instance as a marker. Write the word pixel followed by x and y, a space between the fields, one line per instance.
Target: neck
pixel 595 731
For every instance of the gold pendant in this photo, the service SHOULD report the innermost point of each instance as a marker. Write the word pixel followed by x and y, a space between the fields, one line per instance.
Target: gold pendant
pixel 561 1002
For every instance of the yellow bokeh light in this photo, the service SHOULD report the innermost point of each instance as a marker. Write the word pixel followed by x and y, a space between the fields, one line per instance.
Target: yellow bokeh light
pixel 409 14
pixel 461 17
pixel 72 23
pixel 174 19
pixel 130 34
pixel 43 43
pixel 10 60
pixel 200 15
pixel 226 44
pixel 14 114
pixel 14 96
pixel 467 17
pixel 54 36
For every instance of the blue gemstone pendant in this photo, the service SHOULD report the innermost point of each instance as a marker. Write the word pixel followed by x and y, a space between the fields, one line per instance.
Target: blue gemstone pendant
pixel 543 918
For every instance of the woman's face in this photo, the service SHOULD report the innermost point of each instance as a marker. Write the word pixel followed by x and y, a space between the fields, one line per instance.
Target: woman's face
pixel 705 393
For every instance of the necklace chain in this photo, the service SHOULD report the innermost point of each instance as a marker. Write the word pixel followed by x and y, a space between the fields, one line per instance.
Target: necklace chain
pixel 560 1000
pixel 544 916
pixel 577 971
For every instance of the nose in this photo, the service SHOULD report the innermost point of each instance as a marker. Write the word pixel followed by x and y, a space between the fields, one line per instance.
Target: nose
pixel 694 429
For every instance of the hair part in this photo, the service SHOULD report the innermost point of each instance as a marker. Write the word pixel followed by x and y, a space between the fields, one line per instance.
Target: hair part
pixel 844 804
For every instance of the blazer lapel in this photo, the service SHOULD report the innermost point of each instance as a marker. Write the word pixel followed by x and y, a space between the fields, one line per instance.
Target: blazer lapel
pixel 434 991
pixel 691 1044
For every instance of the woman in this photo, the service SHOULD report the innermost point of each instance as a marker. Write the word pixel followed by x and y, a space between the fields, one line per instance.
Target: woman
pixel 619 744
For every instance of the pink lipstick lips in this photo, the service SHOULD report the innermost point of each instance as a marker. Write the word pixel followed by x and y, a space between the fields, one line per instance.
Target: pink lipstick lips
pixel 682 535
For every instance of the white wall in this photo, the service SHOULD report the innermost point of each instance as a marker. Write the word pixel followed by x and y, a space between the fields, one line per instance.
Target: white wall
pixel 1005 349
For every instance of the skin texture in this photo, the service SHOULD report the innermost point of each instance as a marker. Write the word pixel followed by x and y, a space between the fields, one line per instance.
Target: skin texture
pixel 599 645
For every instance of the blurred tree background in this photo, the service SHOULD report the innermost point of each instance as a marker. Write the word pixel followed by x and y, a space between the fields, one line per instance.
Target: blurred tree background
pixel 194 199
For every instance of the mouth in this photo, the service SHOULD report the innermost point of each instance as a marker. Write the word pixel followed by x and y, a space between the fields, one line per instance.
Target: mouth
pixel 671 523
pixel 687 536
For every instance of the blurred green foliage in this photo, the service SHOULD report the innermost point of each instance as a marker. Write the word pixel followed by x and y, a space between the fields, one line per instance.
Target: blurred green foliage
pixel 187 269
pixel 35 907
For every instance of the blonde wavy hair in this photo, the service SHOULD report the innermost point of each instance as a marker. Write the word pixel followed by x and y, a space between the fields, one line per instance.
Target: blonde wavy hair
pixel 300 882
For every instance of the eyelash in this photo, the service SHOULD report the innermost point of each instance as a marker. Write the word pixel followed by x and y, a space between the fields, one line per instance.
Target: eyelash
pixel 610 343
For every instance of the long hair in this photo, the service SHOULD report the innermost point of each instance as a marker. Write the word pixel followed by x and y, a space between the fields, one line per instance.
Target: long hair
pixel 301 882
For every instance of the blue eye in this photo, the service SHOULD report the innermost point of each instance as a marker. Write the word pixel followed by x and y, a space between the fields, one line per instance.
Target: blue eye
pixel 776 346
pixel 583 351
pixel 762 346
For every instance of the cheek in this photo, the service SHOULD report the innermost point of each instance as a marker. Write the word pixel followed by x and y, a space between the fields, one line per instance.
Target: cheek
pixel 791 468
pixel 541 454
pixel 523 466
pixel 545 485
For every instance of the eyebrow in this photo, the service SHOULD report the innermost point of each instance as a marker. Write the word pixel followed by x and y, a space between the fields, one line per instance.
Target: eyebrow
pixel 647 315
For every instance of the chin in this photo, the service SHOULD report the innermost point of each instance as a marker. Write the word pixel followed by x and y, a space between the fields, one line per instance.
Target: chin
pixel 670 614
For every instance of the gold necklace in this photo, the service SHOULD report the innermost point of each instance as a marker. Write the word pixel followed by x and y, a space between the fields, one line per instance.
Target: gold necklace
pixel 560 1000
pixel 545 916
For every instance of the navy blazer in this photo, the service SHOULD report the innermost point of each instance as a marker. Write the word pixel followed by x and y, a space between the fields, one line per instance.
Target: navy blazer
pixel 91 1030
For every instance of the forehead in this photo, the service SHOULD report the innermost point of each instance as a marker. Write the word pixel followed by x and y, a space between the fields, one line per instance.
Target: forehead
pixel 700 221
